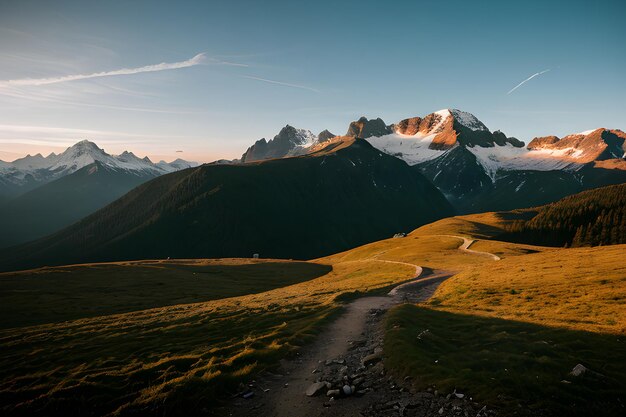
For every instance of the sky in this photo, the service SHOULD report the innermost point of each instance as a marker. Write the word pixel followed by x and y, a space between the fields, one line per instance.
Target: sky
pixel 203 80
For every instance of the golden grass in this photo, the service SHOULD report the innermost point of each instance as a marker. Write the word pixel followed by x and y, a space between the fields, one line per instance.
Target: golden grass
pixel 581 289
pixel 176 358
pixel 182 350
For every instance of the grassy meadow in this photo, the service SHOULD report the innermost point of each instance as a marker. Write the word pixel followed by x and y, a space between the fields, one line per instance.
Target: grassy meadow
pixel 176 337
pixel 578 289
pixel 509 333
pixel 176 359
pixel 49 295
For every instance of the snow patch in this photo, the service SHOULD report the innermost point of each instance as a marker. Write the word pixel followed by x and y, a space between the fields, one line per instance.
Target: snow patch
pixel 586 132
pixel 510 158
pixel 412 149
pixel 444 113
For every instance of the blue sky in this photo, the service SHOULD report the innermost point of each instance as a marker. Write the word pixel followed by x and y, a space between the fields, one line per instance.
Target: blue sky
pixel 328 63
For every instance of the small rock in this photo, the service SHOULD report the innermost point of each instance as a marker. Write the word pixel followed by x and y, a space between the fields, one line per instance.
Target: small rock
pixel 377 369
pixel 347 390
pixel 333 393
pixel 578 370
pixel 248 394
pixel 315 388
pixel 441 411
pixel 373 358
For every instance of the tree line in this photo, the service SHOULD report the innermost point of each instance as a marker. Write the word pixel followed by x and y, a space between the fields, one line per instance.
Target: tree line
pixel 591 218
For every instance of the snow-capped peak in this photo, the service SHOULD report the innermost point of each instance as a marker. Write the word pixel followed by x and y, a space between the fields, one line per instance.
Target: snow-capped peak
pixel 79 155
pixel 305 137
pixel 443 116
pixel 82 154
pixel 468 120
pixel 30 162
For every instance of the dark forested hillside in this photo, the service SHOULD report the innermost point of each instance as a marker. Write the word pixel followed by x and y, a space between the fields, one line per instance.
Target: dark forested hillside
pixel 591 218
pixel 300 208
pixel 59 203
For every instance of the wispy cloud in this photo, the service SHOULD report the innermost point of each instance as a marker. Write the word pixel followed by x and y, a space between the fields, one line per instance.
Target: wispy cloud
pixel 45 98
pixel 527 79
pixel 164 66
pixel 227 63
pixel 265 80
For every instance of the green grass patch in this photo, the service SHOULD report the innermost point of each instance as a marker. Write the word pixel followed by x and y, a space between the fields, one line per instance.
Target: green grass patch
pixel 507 363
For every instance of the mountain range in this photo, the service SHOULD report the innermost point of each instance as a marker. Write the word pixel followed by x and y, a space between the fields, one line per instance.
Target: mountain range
pixel 341 194
pixel 298 195
pixel 45 194
pixel 31 171
pixel 480 170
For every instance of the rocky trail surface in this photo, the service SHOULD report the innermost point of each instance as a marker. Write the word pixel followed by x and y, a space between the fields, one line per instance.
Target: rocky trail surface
pixel 342 372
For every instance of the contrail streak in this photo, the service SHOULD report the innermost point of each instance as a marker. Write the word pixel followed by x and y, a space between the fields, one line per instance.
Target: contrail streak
pixel 196 60
pixel 526 80
pixel 303 87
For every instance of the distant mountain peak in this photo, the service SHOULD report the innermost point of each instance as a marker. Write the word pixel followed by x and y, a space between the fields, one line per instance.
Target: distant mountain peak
pixel 79 155
pixel 580 148
pixel 365 128
pixel 325 135
pixel 467 120
pixel 290 141
pixel 85 144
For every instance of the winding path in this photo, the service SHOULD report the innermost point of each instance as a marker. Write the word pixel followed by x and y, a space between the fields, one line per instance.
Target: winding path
pixel 285 392
pixel 283 395
pixel 465 247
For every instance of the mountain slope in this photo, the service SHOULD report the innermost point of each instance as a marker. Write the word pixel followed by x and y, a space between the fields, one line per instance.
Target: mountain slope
pixel 302 207
pixel 64 201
